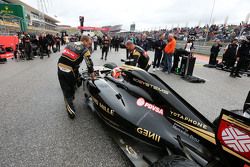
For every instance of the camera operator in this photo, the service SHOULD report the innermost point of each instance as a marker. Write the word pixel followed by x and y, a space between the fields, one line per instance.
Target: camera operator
pixel 68 65
pixel 242 56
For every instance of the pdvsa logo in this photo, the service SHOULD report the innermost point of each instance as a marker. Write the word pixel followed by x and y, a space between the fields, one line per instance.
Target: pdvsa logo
pixel 143 103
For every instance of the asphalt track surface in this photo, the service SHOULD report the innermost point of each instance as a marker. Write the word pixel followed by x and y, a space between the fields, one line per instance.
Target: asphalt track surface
pixel 36 131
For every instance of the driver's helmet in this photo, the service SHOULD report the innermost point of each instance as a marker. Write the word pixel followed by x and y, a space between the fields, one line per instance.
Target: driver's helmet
pixel 116 73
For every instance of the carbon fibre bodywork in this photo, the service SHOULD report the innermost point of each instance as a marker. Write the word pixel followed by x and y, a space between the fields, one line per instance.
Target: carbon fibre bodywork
pixel 142 106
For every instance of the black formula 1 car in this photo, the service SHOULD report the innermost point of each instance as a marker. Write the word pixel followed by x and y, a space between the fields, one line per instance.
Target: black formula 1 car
pixel 155 126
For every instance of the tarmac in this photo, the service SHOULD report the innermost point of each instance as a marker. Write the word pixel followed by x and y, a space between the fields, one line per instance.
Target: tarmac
pixel 36 131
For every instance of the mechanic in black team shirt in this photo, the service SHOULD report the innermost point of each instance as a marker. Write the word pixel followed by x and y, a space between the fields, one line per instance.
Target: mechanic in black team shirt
pixel 138 55
pixel 68 65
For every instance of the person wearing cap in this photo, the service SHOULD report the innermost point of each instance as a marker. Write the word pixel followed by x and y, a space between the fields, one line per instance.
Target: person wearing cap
pixel 138 55
pixel 68 64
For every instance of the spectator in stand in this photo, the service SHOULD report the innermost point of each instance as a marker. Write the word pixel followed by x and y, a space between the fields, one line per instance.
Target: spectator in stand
pixel 169 52
pixel 159 46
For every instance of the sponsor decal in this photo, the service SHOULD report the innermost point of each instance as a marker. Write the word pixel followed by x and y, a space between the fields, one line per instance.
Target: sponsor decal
pixel 142 103
pixel 70 54
pixel 200 132
pixel 150 86
pixel 149 134
pixel 103 107
pixel 184 131
pixel 236 139
pixel 131 151
pixel 187 119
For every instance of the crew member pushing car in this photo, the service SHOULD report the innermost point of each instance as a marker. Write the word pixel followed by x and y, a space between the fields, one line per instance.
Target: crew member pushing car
pixel 139 55
pixel 68 65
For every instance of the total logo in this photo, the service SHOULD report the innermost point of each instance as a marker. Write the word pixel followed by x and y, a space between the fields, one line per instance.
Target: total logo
pixel 142 103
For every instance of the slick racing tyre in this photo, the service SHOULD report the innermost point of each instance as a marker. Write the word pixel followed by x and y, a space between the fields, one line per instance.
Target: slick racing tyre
pixel 174 161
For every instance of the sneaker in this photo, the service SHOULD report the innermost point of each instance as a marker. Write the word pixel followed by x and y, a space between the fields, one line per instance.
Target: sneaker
pixel 238 76
pixel 153 69
pixel 70 111
pixel 158 69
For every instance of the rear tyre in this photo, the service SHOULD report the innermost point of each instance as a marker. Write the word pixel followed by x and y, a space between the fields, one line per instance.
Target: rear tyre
pixel 174 161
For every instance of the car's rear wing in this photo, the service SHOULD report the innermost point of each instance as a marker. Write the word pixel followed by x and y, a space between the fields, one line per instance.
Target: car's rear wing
pixel 233 135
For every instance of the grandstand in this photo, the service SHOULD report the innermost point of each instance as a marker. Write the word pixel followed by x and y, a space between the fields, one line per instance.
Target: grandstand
pixel 37 21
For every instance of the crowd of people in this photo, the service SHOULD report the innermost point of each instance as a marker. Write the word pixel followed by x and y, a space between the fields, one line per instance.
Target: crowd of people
pixel 31 45
pixel 215 31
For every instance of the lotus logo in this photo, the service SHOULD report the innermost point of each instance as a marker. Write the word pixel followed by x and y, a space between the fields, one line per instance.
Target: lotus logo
pixel 236 139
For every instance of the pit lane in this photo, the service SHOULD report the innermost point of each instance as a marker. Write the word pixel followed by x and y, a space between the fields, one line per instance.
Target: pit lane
pixel 35 129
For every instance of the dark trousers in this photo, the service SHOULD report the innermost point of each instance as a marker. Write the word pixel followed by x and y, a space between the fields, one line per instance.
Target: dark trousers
pixel 168 62
pixel 127 53
pixel 213 58
pixel 240 65
pixel 58 46
pixel 44 50
pixel 116 48
pixel 95 45
pixel 27 51
pixel 157 59
pixel 28 54
pixel 67 82
pixel 105 50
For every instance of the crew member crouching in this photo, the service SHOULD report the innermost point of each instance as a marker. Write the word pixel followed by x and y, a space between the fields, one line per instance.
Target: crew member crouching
pixel 138 55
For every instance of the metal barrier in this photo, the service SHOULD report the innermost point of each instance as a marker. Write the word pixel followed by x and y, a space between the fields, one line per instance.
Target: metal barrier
pixel 200 47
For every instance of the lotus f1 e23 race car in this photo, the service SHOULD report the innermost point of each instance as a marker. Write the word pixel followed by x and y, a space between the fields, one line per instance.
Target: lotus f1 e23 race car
pixel 155 126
